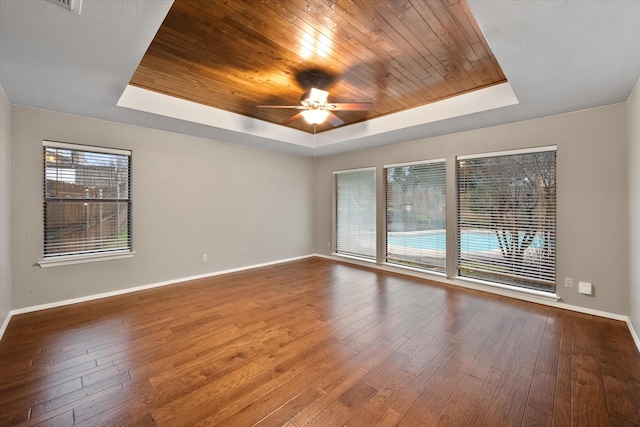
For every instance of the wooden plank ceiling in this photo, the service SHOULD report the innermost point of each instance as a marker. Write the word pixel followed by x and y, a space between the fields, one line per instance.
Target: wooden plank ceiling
pixel 234 55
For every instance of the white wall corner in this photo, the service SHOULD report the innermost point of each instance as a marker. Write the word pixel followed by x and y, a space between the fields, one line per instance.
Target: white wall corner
pixel 3 328
pixel 5 211
pixel 634 335
pixel 633 208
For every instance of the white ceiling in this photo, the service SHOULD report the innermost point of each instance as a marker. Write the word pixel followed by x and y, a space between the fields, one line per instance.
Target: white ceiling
pixel 558 56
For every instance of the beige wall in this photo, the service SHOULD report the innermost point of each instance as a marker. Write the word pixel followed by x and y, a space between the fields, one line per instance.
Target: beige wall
pixel 633 119
pixel 244 206
pixel 191 196
pixel 5 208
pixel 592 231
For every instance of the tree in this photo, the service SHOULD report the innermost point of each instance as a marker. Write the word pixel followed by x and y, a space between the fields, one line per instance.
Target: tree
pixel 514 196
pixel 416 197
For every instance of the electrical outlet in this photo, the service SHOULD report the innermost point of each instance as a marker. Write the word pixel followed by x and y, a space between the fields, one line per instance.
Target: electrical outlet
pixel 585 288
pixel 568 282
pixel 204 258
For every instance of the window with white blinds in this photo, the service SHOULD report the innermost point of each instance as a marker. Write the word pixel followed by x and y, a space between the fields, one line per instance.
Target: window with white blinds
pixel 507 218
pixel 416 214
pixel 355 232
pixel 87 200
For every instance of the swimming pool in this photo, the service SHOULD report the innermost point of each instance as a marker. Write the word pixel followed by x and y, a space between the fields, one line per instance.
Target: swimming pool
pixel 470 241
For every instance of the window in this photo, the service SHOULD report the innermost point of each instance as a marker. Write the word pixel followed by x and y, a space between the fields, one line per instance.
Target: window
pixel 416 215
pixel 356 213
pixel 87 200
pixel 507 218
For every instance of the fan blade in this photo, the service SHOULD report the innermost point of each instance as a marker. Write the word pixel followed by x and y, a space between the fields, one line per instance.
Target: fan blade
pixel 334 120
pixel 292 119
pixel 296 107
pixel 318 96
pixel 350 106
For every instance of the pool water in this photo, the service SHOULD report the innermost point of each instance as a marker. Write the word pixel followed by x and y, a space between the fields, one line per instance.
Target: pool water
pixel 470 241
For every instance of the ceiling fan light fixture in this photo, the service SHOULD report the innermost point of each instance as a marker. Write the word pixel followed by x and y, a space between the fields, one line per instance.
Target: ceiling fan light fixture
pixel 315 117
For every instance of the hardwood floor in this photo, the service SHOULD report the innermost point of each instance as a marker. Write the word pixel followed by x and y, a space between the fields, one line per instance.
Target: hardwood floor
pixel 316 343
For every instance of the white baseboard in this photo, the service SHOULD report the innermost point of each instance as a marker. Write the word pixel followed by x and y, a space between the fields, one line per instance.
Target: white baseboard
pixel 498 291
pixel 525 296
pixel 5 323
pixel 137 288
pixel 634 335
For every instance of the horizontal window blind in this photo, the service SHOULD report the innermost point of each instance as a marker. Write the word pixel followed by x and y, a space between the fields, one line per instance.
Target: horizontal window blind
pixel 507 218
pixel 416 215
pixel 87 200
pixel 356 213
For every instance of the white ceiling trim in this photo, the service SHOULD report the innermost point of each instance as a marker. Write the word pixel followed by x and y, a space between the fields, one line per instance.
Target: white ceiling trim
pixel 486 99
pixel 158 103
pixel 480 100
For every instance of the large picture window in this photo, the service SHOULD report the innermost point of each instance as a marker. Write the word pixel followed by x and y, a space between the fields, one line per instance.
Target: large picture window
pixel 355 232
pixel 87 200
pixel 507 218
pixel 416 215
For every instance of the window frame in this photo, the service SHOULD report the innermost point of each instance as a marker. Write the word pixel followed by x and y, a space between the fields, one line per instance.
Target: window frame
pixel 536 286
pixel 76 257
pixel 335 238
pixel 397 263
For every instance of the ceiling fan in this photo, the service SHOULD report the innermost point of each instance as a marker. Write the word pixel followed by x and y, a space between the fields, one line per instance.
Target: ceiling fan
pixel 316 109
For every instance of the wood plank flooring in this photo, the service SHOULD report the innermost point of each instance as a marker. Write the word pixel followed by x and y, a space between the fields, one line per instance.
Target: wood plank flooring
pixel 316 343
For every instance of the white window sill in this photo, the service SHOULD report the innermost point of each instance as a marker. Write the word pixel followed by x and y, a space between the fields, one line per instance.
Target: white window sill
pixel 354 258
pixel 481 285
pixel 421 271
pixel 81 259
pixel 549 296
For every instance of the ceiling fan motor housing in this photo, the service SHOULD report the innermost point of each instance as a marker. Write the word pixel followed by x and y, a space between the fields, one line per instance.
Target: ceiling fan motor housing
pixel 314 78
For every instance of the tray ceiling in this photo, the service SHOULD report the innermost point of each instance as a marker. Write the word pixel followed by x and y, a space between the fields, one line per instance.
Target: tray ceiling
pixel 235 55
pixel 559 57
